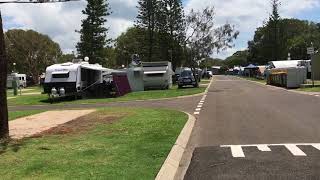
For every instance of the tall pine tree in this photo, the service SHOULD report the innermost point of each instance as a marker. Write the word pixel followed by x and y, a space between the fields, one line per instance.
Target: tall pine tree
pixel 146 19
pixel 274 27
pixel 171 26
pixel 93 37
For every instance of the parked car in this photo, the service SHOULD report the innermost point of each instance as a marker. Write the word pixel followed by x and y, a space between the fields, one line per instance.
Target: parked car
pixel 187 79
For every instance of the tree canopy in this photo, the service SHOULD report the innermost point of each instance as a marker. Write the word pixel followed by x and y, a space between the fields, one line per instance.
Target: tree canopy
pixel 294 37
pixel 31 51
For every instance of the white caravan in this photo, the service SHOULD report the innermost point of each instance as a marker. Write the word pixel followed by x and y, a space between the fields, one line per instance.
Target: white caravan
pixel 20 78
pixel 76 79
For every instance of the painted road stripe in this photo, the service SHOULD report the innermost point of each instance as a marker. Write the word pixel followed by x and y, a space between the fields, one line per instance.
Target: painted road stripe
pixel 237 151
pixel 196 113
pixel 199 106
pixel 264 148
pixel 198 109
pixel 295 150
pixel 317 146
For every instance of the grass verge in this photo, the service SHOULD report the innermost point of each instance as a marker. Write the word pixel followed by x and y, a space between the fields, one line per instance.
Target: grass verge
pixel 145 95
pixel 315 89
pixel 19 114
pixel 133 145
pixel 254 79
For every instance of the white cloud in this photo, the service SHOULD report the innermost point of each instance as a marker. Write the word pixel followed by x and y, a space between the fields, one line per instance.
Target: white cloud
pixel 247 15
pixel 60 20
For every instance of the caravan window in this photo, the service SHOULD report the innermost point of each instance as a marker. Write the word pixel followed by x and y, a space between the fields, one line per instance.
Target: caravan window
pixel 60 75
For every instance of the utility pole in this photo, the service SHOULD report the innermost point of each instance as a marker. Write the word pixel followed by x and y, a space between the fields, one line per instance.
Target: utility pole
pixel 4 125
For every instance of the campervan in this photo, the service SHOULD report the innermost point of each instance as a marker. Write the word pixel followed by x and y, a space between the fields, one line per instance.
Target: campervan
pixel 76 79
pixel 20 78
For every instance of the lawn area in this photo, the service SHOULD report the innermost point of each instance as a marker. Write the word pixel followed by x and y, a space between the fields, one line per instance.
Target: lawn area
pixel 315 89
pixel 34 89
pixel 145 95
pixel 18 114
pixel 111 144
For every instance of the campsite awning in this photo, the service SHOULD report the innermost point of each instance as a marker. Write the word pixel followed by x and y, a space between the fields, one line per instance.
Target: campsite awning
pixel 155 72
pixel 251 66
pixel 60 72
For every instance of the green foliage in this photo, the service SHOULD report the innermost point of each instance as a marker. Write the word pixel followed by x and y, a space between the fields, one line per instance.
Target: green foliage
pixel 66 58
pixel 294 38
pixel 205 37
pixel 19 114
pixel 134 42
pixel 131 42
pixel 237 59
pixel 147 19
pixel 209 62
pixel 31 51
pixel 93 34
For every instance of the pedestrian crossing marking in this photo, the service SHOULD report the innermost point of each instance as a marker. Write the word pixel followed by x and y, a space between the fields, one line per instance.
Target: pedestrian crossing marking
pixel 295 150
pixel 264 148
pixel 237 150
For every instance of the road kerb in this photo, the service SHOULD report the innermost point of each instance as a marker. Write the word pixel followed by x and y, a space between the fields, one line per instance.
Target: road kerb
pixel 170 167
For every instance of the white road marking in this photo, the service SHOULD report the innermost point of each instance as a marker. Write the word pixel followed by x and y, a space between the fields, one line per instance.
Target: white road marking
pixel 196 113
pixel 201 101
pixel 236 151
pixel 317 146
pixel 264 148
pixel 198 109
pixel 295 150
pixel 199 106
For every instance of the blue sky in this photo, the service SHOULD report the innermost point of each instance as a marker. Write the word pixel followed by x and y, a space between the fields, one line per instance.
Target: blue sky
pixel 60 21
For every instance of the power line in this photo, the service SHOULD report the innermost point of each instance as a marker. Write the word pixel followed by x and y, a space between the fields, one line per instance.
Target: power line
pixel 35 1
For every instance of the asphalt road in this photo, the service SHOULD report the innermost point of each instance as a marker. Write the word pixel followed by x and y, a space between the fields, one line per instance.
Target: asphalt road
pixel 271 133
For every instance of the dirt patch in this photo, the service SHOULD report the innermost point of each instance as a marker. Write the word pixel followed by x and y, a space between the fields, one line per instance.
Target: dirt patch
pixel 31 125
pixel 80 125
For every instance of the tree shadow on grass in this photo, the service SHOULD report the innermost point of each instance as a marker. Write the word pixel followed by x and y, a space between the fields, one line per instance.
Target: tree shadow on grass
pixel 10 144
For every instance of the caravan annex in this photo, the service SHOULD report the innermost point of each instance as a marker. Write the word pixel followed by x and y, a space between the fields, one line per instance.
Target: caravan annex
pixel 157 75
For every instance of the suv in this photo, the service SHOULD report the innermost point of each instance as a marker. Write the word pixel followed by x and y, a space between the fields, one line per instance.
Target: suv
pixel 186 78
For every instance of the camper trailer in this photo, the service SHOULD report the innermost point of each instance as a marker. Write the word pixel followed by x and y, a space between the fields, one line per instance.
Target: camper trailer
pixel 20 78
pixel 77 79
pixel 157 75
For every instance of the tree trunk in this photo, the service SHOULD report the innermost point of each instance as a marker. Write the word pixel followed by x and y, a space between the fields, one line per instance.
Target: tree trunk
pixel 4 127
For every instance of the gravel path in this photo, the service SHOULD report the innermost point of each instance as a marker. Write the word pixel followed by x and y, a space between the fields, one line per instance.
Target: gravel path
pixel 31 125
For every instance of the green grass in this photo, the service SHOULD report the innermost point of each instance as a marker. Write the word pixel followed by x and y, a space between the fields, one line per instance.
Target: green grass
pixel 34 89
pixel 134 147
pixel 315 89
pixel 145 95
pixel 18 114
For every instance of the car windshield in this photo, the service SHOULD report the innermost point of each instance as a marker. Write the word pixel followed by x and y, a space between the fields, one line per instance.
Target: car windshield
pixel 186 73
